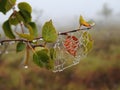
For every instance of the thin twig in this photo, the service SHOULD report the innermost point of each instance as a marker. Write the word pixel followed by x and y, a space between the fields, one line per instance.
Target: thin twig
pixel 29 45
pixel 25 40
pixel 27 56
pixel 65 33
pixel 21 25
pixel 9 40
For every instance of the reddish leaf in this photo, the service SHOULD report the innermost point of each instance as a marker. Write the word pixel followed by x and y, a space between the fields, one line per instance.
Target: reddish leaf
pixel 71 44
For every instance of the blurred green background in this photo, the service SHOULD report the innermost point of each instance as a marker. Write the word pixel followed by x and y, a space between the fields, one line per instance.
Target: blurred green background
pixel 100 70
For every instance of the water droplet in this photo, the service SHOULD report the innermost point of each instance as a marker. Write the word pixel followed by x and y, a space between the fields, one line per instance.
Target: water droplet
pixel 25 66
pixel 6 52
pixel 41 39
pixel 34 41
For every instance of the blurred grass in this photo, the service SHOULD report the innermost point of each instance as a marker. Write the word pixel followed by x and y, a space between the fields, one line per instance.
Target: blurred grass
pixel 100 70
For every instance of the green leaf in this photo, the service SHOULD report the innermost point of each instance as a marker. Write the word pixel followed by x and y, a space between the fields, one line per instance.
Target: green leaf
pixel 34 28
pixel 29 36
pixel 25 36
pixel 2 6
pixel 25 7
pixel 45 50
pixel 49 33
pixel 15 18
pixel 38 48
pixel 10 4
pixel 90 45
pixel 31 32
pixel 20 47
pixel 44 57
pixel 7 30
pixel 90 42
pixel 50 65
pixel 37 60
pixel 85 34
pixel 25 11
pixel 26 16
pixel 6 5
pixel 41 57
pixel 52 53
pixel 87 42
pixel 89 37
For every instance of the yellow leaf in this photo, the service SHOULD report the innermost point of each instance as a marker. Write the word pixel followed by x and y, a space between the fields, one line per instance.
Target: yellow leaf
pixel 83 22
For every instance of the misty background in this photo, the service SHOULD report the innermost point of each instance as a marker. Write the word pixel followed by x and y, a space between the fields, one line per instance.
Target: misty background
pixel 100 70
pixel 65 13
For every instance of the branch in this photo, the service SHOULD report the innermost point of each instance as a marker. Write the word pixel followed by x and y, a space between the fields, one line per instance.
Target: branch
pixel 9 40
pixel 65 33
pixel 25 40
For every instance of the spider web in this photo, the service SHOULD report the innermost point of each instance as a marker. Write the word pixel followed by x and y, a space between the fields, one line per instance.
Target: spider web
pixel 64 58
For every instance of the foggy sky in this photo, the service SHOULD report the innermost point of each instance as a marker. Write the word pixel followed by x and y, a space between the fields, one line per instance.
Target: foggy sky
pixel 58 9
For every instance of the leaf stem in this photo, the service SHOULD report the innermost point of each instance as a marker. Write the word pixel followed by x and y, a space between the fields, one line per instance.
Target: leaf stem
pixel 27 56
pixel 21 25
